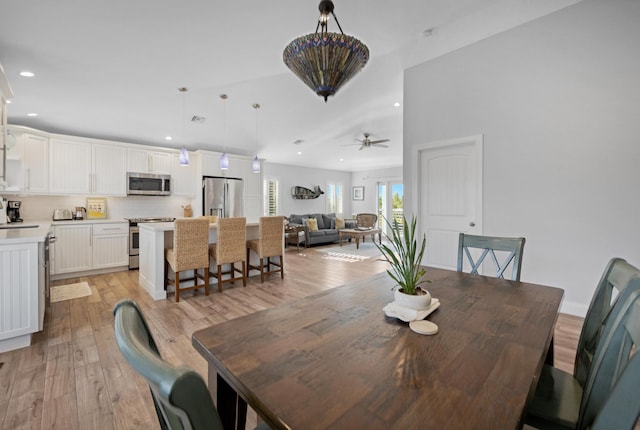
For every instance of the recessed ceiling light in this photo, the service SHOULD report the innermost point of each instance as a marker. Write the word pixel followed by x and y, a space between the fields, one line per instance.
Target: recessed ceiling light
pixel 397 104
pixel 9 102
pixel 299 152
pixel 342 159
pixel 27 74
pixel 168 138
pixel 32 114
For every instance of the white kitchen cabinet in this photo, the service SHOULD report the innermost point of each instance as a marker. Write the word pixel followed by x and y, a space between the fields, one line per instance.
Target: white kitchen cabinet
pixel 73 248
pixel 109 177
pixel 69 167
pixel 210 164
pixel 84 247
pixel 184 178
pixel 110 245
pixel 79 167
pixel 143 161
pixel 28 163
pixel 20 313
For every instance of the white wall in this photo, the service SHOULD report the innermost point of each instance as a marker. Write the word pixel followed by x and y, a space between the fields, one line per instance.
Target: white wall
pixel 289 176
pixel 370 179
pixel 558 103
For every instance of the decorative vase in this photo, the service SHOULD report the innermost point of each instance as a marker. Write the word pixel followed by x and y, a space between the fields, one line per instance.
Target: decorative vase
pixel 417 302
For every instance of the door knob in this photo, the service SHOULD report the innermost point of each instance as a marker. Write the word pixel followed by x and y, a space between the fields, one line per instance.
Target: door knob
pixel 472 224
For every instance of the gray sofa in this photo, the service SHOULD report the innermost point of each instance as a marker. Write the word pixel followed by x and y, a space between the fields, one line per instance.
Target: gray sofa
pixel 327 231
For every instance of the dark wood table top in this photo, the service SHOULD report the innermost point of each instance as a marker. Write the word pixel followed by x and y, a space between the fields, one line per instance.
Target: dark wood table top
pixel 334 360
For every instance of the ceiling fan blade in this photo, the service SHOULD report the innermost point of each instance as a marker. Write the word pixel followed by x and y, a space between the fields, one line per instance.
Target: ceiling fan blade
pixel 379 141
pixel 361 148
pixel 381 146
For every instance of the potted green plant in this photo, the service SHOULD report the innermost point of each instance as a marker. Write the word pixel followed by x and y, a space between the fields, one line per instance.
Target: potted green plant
pixel 405 257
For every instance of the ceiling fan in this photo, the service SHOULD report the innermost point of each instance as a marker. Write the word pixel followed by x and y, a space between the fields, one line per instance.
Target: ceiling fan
pixel 368 143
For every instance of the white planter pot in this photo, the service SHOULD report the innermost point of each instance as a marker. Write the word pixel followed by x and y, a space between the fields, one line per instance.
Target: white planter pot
pixel 420 302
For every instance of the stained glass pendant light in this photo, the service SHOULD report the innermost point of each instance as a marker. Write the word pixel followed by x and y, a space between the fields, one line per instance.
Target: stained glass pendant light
pixel 323 60
pixel 224 158
pixel 184 155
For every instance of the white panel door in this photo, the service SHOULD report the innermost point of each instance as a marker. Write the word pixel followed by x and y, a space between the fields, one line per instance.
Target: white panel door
pixel 449 195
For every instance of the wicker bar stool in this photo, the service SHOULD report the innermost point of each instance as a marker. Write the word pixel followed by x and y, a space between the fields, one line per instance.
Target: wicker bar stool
pixel 189 252
pixel 229 249
pixel 270 244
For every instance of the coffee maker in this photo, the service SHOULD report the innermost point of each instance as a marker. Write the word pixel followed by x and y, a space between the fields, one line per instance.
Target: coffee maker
pixel 13 211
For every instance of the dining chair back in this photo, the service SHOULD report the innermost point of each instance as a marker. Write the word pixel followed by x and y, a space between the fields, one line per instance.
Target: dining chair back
pixel 619 343
pixel 513 246
pixel 180 395
pixel 622 408
pixel 614 280
pixel 269 244
pixel 230 248
pixel 366 220
pixel 190 251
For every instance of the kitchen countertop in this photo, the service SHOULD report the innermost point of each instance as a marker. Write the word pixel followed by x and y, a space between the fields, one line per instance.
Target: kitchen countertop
pixel 91 221
pixel 15 234
pixel 21 232
pixel 168 226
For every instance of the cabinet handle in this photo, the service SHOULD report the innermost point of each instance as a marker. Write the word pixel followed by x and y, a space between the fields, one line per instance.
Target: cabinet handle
pixel 29 178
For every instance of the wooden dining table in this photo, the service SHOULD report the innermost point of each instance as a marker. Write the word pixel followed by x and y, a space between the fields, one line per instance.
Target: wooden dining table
pixel 335 360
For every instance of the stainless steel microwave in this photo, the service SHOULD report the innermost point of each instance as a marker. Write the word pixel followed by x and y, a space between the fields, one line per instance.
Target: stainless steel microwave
pixel 148 184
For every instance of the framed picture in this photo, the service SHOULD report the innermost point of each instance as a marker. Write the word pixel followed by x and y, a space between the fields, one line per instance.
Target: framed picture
pixel 358 193
pixel 96 208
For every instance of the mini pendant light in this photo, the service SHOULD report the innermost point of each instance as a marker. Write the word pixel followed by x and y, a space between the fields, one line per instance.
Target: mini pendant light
pixel 256 163
pixel 224 158
pixel 184 155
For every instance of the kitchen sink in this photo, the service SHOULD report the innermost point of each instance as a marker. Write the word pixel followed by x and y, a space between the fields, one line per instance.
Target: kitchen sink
pixel 12 227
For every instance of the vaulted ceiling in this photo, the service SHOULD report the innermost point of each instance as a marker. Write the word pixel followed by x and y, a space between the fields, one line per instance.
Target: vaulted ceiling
pixel 112 69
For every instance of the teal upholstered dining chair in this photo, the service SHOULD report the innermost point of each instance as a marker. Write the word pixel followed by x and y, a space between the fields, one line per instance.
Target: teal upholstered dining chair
pixel 558 393
pixel 180 395
pixel 619 340
pixel 622 408
pixel 488 245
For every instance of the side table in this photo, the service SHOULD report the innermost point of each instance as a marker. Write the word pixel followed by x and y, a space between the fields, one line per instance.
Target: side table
pixel 293 236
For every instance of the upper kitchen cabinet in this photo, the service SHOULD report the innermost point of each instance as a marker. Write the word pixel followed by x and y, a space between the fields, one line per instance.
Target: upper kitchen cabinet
pixel 209 163
pixel 28 162
pixel 184 178
pixel 143 161
pixel 78 167
pixel 69 167
pixel 109 170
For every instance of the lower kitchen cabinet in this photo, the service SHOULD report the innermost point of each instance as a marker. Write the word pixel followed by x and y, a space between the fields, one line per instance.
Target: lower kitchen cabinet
pixel 110 245
pixel 86 247
pixel 21 294
pixel 73 248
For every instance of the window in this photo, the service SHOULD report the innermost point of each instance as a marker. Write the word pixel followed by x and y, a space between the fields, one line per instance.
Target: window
pixel 270 196
pixel 334 198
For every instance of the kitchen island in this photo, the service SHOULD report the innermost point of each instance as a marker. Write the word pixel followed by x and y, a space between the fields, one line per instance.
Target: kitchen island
pixel 22 283
pixel 154 238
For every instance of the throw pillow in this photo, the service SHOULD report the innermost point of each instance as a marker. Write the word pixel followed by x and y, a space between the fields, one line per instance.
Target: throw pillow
pixel 312 223
pixel 339 223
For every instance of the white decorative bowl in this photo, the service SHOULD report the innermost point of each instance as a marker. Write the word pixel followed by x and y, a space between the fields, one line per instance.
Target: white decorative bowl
pixel 419 302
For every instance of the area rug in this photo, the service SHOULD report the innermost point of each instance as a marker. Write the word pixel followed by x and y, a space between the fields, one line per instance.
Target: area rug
pixel 70 291
pixel 348 252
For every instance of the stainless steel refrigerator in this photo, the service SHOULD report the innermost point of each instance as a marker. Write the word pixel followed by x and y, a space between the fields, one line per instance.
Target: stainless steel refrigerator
pixel 222 196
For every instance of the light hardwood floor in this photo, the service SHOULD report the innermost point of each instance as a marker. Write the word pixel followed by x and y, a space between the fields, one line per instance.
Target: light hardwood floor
pixel 73 376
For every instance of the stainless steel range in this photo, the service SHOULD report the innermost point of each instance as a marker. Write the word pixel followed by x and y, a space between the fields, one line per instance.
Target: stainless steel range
pixel 134 237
